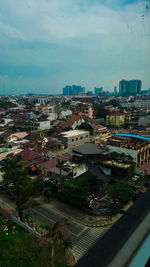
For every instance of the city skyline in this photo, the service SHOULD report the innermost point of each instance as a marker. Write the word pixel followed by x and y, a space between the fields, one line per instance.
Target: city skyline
pixel 47 45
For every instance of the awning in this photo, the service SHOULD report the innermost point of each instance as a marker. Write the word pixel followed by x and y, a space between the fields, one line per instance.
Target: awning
pixel 33 168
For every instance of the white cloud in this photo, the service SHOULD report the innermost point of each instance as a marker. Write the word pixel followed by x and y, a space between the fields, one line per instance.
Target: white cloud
pixel 55 20
pixel 92 41
pixel 11 32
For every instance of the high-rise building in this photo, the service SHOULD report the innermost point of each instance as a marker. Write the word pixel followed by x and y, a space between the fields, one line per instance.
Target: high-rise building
pixel 115 90
pixel 73 90
pixel 98 90
pixel 128 88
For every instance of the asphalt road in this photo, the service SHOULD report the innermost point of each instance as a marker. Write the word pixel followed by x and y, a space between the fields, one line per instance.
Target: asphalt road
pixel 42 215
pixel 82 237
pixel 47 214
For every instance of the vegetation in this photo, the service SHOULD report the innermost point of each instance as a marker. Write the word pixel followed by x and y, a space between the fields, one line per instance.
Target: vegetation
pixel 27 103
pixel 121 192
pixel 123 172
pixel 77 191
pixel 7 104
pixel 87 127
pixel 41 132
pixel 12 128
pixel 61 167
pixel 100 111
pixel 20 249
pixel 17 181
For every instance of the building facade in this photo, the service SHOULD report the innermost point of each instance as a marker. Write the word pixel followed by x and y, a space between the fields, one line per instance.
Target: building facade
pixel 128 88
pixel 73 90
pixel 75 138
pixel 138 150
pixel 87 99
pixel 98 91
pixel 39 125
pixel 116 119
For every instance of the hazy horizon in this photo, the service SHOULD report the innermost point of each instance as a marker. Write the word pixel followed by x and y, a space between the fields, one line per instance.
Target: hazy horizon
pixel 46 45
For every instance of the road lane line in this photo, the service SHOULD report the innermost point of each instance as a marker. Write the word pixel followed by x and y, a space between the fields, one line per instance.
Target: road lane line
pixel 51 220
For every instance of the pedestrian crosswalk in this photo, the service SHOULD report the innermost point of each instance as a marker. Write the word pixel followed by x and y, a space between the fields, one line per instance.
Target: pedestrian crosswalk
pixel 87 240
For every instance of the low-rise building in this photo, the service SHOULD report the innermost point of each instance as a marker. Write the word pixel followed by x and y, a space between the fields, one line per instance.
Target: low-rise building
pixel 71 123
pixel 75 138
pixel 144 121
pixel 137 149
pixel 39 125
pixel 116 119
pixel 89 151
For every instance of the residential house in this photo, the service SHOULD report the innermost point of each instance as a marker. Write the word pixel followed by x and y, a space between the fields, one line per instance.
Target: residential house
pixel 71 123
pixel 46 166
pixel 32 156
pixel 116 119
pixel 40 124
pixel 144 121
pixel 75 138
pixel 99 129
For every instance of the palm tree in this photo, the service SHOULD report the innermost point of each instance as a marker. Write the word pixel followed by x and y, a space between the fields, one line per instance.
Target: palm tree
pixel 61 167
pixel 15 176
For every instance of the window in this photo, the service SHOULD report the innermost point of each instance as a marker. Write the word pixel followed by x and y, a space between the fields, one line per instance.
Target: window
pixel 81 137
pixel 77 139
pixel 86 136
pixel 72 140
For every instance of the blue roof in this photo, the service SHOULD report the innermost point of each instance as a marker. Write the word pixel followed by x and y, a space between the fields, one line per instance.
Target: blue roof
pixel 134 136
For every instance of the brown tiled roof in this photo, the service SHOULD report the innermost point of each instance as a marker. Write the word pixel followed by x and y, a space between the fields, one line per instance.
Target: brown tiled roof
pixel 28 154
pixel 70 121
pixel 98 126
pixel 117 114
pixel 53 162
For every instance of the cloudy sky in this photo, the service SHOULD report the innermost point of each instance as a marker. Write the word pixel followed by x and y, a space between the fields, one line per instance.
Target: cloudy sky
pixel 47 44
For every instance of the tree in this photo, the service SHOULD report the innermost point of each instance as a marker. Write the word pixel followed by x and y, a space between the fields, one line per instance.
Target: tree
pixel 47 192
pixel 16 179
pixel 76 192
pixel 61 167
pixel 122 192
pixel 50 132
pixel 12 128
pixel 87 127
pixel 94 183
pixel 100 111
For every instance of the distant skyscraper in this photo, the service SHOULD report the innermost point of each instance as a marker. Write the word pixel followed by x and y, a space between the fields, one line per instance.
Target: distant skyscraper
pixel 115 90
pixel 98 90
pixel 89 93
pixel 73 90
pixel 132 87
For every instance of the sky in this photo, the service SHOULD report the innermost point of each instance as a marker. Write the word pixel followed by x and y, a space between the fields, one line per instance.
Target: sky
pixel 47 44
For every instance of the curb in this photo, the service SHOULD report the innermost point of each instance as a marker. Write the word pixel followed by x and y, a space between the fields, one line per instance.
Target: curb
pixel 97 225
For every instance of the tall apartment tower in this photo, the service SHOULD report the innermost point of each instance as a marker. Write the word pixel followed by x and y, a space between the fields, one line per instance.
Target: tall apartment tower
pixel 115 90
pixel 98 90
pixel 130 88
pixel 73 90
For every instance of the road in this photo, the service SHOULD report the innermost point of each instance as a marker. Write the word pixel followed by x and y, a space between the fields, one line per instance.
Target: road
pixel 82 237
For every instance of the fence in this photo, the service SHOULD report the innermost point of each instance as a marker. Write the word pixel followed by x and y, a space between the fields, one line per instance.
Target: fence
pixel 24 225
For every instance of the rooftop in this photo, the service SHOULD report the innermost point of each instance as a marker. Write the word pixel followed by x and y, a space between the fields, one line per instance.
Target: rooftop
pixel 88 149
pixel 50 164
pixel 20 135
pixel 73 133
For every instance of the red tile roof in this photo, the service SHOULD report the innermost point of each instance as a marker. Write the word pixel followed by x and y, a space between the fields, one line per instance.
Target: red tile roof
pixel 53 162
pixel 70 121
pixel 117 114
pixel 28 154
